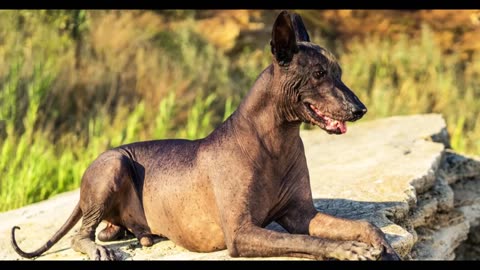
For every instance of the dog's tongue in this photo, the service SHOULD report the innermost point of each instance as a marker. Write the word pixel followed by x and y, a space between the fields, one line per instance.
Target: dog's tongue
pixel 332 124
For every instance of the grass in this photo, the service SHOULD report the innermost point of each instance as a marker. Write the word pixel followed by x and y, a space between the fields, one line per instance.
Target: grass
pixel 58 114
pixel 413 76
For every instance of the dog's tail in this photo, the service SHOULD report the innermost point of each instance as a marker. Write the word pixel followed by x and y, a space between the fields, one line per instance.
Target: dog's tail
pixel 67 226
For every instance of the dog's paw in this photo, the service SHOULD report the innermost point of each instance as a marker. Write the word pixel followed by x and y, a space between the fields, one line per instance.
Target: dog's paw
pixel 358 251
pixel 101 253
pixel 377 238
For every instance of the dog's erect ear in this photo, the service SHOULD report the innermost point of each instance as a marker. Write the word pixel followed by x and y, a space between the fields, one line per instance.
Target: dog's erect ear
pixel 283 43
pixel 300 29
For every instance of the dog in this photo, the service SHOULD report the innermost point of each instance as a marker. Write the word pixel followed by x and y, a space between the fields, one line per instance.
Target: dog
pixel 219 192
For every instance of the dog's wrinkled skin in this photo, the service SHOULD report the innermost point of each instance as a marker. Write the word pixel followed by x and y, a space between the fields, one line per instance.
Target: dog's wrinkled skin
pixel 221 191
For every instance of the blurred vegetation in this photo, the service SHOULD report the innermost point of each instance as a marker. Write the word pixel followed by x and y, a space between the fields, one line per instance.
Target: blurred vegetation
pixel 74 83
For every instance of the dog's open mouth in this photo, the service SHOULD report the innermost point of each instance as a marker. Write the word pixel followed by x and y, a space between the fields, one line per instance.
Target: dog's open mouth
pixel 326 122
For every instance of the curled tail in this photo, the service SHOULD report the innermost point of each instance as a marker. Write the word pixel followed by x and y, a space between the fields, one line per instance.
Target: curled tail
pixel 67 226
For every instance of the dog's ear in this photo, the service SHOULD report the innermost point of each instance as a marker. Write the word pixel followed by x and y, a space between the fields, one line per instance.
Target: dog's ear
pixel 283 43
pixel 300 29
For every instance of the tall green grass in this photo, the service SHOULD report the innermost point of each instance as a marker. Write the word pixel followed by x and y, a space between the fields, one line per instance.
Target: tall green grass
pixel 34 168
pixel 408 76
pixel 27 156
pixel 55 119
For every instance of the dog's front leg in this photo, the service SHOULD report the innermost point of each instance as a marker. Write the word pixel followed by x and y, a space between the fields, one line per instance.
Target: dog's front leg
pixel 326 226
pixel 253 241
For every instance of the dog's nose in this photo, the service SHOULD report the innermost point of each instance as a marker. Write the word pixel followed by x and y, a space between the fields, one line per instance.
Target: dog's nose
pixel 359 111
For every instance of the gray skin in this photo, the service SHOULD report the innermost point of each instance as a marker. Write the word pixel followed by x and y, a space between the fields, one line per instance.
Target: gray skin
pixel 221 191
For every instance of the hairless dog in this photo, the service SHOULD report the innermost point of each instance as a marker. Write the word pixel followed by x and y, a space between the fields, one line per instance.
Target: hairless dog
pixel 219 192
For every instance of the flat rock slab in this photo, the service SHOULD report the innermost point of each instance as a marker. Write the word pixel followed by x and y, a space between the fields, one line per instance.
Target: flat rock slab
pixel 373 172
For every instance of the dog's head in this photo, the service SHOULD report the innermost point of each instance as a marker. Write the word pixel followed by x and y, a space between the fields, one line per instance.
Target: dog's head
pixel 311 78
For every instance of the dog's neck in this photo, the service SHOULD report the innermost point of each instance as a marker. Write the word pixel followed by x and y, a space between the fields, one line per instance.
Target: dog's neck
pixel 263 114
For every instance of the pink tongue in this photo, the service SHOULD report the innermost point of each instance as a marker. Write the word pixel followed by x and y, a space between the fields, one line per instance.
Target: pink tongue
pixel 333 125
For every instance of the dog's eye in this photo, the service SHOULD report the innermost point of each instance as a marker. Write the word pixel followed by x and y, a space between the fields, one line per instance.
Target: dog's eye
pixel 319 74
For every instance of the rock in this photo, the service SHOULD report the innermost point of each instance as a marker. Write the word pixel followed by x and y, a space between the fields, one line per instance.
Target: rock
pixel 467 201
pixel 458 166
pixel 441 243
pixel 424 212
pixel 394 172
pixel 443 237
pixel 375 170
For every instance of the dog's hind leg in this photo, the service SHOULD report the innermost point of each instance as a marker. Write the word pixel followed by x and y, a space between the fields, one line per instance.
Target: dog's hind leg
pixel 113 232
pixel 103 183
pixel 143 235
pixel 84 241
